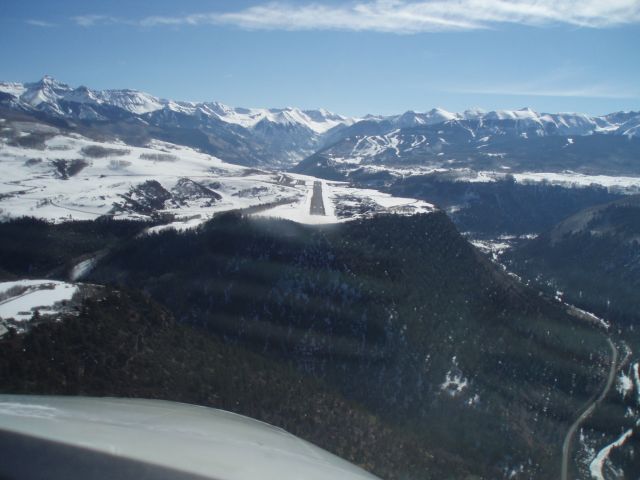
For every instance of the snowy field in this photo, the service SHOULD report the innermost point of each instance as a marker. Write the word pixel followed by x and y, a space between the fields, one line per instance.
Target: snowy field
pixel 625 184
pixel 19 300
pixel 565 179
pixel 32 184
pixel 69 177
pixel 343 203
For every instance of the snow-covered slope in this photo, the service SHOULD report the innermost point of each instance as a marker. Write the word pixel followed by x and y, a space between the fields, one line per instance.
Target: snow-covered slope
pixel 630 128
pixel 185 438
pixel 131 100
pixel 24 303
pixel 499 143
pixel 318 121
pixel 50 174
pixel 21 298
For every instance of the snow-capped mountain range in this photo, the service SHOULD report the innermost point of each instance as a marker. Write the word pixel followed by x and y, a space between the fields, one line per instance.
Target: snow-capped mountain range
pixel 325 144
pixel 50 95
pixel 275 136
pixel 524 119
pixel 504 141
pixel 248 136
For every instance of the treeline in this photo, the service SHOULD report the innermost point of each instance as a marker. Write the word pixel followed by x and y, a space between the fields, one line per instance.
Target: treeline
pixel 384 310
pixel 123 344
pixel 31 247
pixel 503 207
pixel 598 266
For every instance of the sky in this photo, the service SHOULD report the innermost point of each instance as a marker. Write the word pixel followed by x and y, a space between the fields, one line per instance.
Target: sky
pixel 351 57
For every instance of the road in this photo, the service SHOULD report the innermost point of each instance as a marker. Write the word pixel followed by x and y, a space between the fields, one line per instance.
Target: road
pixel 11 299
pixel 81 211
pixel 568 439
pixel 317 203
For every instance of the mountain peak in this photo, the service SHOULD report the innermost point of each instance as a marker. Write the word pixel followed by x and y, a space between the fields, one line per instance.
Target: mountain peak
pixel 48 79
pixel 473 113
pixel 441 113
pixel 51 82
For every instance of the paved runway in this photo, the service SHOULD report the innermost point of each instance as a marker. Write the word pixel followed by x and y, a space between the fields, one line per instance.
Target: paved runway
pixel 317 203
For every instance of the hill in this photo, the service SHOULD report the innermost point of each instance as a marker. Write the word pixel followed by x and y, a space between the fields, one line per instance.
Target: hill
pixel 399 314
pixel 593 257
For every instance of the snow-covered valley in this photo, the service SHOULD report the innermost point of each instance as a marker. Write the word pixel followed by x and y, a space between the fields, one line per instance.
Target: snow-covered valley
pixel 24 303
pixel 64 176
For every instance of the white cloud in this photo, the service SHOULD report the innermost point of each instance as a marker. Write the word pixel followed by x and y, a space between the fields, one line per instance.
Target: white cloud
pixel 39 23
pixel 408 17
pixel 92 20
pixel 561 81
pixel 580 92
pixel 528 90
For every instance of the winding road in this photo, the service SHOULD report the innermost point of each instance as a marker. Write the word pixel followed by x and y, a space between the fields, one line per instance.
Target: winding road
pixel 568 439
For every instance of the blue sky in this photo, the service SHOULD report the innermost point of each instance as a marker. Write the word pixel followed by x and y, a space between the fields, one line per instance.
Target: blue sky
pixel 364 56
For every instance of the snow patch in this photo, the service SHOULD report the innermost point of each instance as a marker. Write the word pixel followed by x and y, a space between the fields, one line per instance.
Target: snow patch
pixel 598 464
pixel 636 380
pixel 624 385
pixel 454 382
pixel 22 298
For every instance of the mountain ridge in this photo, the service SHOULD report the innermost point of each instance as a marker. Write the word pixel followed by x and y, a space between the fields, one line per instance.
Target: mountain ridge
pixel 49 91
pixel 49 95
pixel 256 137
